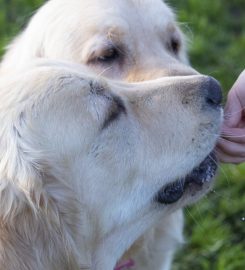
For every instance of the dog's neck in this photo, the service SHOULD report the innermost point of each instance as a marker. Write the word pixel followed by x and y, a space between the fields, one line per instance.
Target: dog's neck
pixel 125 265
pixel 120 266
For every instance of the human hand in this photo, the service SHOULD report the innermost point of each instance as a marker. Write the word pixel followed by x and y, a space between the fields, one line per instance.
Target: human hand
pixel 231 145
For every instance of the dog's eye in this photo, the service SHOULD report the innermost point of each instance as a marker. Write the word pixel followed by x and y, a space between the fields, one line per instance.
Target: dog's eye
pixel 108 56
pixel 174 45
pixel 117 108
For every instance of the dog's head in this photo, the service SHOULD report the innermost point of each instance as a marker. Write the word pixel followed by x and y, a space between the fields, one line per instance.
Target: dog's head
pixel 128 40
pixel 117 148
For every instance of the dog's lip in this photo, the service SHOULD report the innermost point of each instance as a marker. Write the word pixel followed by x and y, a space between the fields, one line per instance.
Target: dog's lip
pixel 199 176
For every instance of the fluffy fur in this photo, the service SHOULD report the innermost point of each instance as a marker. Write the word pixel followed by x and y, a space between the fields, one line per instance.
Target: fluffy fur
pixel 71 193
pixel 59 165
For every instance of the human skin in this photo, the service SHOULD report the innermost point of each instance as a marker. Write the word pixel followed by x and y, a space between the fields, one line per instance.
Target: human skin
pixel 231 145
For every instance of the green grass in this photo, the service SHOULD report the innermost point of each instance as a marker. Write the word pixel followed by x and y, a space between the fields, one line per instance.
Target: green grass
pixel 215 230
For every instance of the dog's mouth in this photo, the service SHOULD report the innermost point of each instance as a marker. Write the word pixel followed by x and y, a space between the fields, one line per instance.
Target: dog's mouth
pixel 198 177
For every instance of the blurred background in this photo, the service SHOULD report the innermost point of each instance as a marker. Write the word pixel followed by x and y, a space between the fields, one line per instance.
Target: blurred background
pixel 215 227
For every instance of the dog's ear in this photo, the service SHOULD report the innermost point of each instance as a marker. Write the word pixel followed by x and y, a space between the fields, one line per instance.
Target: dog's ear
pixel 35 216
pixel 20 177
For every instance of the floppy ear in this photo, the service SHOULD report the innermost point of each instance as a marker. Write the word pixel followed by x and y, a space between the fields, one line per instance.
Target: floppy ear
pixel 20 179
pixel 36 220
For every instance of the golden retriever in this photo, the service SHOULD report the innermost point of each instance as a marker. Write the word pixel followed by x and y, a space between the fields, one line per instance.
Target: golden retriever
pixel 88 165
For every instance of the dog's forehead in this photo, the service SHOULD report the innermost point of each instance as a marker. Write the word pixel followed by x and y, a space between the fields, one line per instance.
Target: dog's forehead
pixel 155 9
pixel 152 13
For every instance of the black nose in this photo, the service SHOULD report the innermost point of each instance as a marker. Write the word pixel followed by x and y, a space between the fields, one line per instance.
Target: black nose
pixel 213 92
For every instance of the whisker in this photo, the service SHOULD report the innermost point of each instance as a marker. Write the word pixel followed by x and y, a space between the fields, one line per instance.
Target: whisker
pixel 188 32
pixel 217 194
pixel 99 75
pixel 221 139
pixel 223 136
pixel 232 136
pixel 193 218
pixel 221 169
pixel 199 212
pixel 227 115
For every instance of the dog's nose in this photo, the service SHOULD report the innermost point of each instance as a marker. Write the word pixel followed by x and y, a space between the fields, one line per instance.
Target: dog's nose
pixel 213 92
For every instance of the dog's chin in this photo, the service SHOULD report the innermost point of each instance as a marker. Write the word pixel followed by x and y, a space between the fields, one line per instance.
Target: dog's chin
pixel 197 180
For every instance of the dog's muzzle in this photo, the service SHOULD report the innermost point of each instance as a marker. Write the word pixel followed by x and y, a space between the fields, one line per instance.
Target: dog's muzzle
pixel 199 176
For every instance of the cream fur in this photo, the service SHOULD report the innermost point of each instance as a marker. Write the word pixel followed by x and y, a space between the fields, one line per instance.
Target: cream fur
pixel 44 198
pixel 71 194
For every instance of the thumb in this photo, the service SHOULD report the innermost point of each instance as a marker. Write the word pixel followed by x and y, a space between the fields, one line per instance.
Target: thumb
pixel 235 102
pixel 233 110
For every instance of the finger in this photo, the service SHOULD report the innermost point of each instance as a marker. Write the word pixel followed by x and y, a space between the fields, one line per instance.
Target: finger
pixel 233 134
pixel 231 148
pixel 235 102
pixel 239 88
pixel 233 110
pixel 223 157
